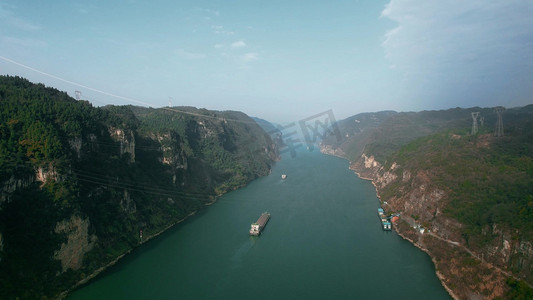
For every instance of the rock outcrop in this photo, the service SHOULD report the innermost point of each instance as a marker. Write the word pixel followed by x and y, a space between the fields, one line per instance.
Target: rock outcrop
pixel 13 184
pixel 78 242
pixel 87 184
pixel 126 138
pixel 460 265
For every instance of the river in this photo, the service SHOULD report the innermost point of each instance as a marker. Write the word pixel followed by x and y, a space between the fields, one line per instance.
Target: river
pixel 323 241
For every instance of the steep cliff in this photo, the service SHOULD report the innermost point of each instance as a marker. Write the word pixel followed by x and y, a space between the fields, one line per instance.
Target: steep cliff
pixel 81 186
pixel 465 199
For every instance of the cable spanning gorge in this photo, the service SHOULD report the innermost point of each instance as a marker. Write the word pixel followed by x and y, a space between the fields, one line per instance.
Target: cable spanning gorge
pixel 83 182
pixel 89 185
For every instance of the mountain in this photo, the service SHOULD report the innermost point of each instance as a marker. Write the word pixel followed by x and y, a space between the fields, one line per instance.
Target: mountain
pixel 466 199
pixel 273 130
pixel 81 186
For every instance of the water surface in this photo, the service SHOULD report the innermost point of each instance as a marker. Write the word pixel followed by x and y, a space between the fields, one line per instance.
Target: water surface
pixel 323 241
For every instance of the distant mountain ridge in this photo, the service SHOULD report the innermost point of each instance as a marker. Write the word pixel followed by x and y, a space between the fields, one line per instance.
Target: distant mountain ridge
pixel 81 186
pixel 273 130
pixel 471 194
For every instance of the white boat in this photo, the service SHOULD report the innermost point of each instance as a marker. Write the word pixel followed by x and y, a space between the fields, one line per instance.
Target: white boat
pixel 283 176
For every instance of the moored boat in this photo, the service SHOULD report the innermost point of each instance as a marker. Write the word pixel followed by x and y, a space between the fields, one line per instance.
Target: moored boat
pixel 385 224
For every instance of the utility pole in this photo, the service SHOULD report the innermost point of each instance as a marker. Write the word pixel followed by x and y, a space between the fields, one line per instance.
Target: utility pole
pixel 499 123
pixel 475 115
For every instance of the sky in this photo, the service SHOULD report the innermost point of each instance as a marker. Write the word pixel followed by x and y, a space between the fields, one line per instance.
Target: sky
pixel 278 60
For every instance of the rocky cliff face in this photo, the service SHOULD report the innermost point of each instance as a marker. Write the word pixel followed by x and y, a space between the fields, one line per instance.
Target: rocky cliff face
pixel 466 199
pixel 166 178
pixel 78 242
pixel 8 187
pixel 88 185
pixel 126 139
pixel 461 266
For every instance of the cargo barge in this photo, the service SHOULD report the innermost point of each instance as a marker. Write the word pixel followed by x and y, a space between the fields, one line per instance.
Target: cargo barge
pixel 385 224
pixel 258 226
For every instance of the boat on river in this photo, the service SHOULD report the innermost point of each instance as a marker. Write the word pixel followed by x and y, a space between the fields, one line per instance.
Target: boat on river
pixel 385 223
pixel 258 226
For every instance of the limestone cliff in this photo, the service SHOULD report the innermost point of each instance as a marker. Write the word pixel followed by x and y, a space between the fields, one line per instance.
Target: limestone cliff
pixel 467 269
pixel 81 186
pixel 126 139
pixel 465 200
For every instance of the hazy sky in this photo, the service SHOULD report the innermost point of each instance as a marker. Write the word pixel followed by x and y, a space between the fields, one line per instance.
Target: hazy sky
pixel 278 60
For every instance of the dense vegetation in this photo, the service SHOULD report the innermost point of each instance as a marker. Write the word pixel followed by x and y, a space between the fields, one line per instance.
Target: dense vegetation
pixel 490 180
pixel 382 134
pixel 123 168
pixel 487 180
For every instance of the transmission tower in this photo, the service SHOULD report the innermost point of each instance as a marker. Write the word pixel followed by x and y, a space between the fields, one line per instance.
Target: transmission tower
pixel 169 101
pixel 481 121
pixel 499 123
pixel 78 95
pixel 475 115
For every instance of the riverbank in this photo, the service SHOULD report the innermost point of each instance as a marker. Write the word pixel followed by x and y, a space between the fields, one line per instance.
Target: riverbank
pixel 439 275
pixel 98 271
pixel 462 273
pixel 212 199
pixel 307 220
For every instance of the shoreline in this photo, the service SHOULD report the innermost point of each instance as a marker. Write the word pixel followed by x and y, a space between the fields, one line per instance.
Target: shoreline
pixel 98 271
pixel 439 275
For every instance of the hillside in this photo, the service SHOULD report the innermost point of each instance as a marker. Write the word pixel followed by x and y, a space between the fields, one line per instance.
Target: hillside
pixel 273 130
pixel 80 186
pixel 470 195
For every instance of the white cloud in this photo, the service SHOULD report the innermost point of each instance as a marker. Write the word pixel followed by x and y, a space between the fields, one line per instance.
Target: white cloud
pixel 189 55
pixel 218 46
pixel 213 12
pixel 457 45
pixel 219 29
pixel 238 44
pixel 448 33
pixel 251 56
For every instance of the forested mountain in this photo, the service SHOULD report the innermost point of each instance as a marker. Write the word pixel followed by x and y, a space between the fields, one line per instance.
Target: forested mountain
pixel 81 185
pixel 273 130
pixel 464 197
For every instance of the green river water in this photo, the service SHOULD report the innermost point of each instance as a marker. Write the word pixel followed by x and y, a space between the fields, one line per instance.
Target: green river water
pixel 323 241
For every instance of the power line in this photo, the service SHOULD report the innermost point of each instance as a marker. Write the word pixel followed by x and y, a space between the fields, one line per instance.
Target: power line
pixel 125 183
pixel 142 191
pixel 105 180
pixel 115 95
